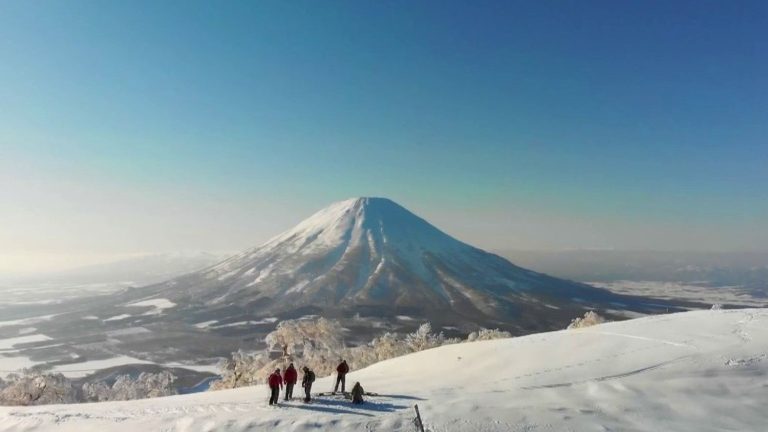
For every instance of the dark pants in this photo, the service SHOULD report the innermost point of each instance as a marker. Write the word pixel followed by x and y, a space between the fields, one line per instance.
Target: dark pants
pixel 289 391
pixel 275 396
pixel 340 379
pixel 307 390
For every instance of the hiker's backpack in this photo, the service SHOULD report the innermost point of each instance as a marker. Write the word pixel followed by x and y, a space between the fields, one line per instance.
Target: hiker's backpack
pixel 311 377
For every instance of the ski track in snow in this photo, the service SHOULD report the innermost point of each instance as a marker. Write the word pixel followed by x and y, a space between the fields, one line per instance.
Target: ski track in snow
pixel 702 371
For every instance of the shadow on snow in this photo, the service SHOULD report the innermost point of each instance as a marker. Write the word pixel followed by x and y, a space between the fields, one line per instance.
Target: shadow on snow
pixel 345 407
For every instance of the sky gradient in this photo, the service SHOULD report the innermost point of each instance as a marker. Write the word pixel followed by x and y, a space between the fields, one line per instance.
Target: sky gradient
pixel 131 127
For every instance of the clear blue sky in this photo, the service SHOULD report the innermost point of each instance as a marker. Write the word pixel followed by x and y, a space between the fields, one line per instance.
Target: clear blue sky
pixel 140 126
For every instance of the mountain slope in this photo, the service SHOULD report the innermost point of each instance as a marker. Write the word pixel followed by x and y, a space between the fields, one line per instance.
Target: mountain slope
pixel 702 371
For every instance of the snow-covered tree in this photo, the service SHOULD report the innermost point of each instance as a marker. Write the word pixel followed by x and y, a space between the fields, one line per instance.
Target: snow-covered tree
pixel 243 369
pixel 146 385
pixel 310 337
pixel 388 346
pixel 315 343
pixel 98 391
pixel 590 318
pixel 423 339
pixel 32 388
pixel 125 387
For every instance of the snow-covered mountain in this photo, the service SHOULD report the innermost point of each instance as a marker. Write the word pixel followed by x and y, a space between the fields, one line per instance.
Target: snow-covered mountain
pixel 373 257
pixel 695 371
pixel 367 262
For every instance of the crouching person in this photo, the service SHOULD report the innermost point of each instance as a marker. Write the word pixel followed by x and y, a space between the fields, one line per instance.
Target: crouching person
pixel 357 393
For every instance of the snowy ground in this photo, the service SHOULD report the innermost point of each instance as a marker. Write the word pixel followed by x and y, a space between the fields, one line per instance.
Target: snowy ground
pixel 701 293
pixel 694 371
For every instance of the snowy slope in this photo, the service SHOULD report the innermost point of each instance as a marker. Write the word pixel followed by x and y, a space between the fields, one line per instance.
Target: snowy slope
pixel 694 371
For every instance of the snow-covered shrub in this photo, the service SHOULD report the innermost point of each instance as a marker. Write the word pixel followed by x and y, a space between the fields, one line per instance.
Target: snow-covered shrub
pixel 716 306
pixel 31 388
pixel 146 385
pixel 98 391
pixel 590 318
pixel 388 346
pixel 423 339
pixel 125 387
pixel 243 369
pixel 488 334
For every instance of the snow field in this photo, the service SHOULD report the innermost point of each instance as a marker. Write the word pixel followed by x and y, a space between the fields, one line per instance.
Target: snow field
pixel 693 371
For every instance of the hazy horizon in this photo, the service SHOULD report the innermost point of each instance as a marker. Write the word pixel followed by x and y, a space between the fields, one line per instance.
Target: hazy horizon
pixel 149 127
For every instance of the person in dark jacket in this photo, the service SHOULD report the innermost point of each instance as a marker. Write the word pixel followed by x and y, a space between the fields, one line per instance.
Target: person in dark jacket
pixel 341 373
pixel 289 378
pixel 357 393
pixel 306 382
pixel 275 384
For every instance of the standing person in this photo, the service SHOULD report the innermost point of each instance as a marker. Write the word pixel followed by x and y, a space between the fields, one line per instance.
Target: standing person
pixel 290 377
pixel 275 384
pixel 341 376
pixel 306 382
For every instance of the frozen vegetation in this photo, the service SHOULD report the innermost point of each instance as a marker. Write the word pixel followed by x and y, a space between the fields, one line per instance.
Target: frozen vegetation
pixel 590 318
pixel 41 388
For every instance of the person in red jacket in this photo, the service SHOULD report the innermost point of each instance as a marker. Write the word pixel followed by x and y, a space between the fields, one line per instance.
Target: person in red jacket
pixel 341 376
pixel 275 384
pixel 289 378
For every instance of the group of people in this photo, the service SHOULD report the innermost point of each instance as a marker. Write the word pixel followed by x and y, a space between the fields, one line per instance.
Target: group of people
pixel 290 377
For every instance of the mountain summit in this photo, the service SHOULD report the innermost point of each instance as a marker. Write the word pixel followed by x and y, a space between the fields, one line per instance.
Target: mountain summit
pixel 371 256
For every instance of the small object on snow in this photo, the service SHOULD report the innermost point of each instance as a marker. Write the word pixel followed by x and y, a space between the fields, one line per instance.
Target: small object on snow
pixel 417 420
pixel 716 306
pixel 344 395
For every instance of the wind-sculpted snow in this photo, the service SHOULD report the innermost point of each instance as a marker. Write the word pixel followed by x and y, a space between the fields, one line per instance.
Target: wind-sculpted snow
pixel 696 371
